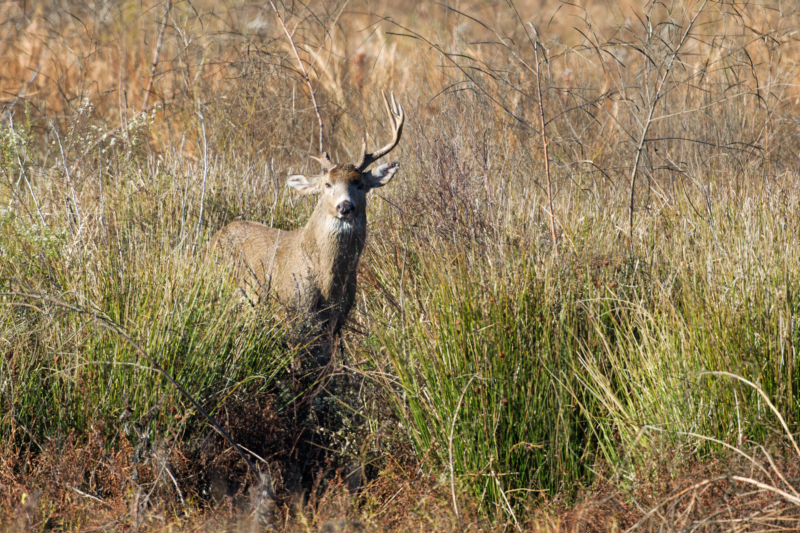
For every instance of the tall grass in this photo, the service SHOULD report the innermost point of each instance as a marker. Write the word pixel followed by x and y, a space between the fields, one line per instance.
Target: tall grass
pixel 516 375
pixel 66 367
pixel 524 375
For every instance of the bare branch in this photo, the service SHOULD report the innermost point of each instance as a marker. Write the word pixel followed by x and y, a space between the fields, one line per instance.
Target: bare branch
pixel 304 72
pixel 22 92
pixel 155 56
pixel 546 152
pixel 156 52
pixel 653 104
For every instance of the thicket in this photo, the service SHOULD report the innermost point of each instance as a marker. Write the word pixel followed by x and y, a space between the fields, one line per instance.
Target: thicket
pixel 588 263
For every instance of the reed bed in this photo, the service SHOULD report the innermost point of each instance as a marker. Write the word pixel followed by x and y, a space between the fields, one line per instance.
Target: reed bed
pixel 578 309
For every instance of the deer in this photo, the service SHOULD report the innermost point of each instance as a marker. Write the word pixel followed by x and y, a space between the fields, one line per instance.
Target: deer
pixel 312 270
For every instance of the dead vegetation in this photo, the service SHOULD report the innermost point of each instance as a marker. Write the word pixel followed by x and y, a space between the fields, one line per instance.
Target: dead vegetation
pixel 485 380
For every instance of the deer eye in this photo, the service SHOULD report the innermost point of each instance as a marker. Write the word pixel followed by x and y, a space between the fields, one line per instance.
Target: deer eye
pixel 360 187
pixel 328 185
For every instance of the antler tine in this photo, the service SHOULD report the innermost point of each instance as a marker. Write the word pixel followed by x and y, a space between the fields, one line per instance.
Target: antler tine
pixel 325 161
pixel 360 164
pixel 397 116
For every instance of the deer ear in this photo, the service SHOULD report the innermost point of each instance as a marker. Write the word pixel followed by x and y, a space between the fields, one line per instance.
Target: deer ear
pixel 380 176
pixel 302 184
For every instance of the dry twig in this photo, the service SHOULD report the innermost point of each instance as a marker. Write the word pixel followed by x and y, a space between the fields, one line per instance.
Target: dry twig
pixel 24 89
pixel 546 153
pixel 304 72
pixel 155 56
pixel 649 120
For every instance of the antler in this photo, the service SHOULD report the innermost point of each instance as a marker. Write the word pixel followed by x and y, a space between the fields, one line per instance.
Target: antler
pixel 397 116
pixel 325 161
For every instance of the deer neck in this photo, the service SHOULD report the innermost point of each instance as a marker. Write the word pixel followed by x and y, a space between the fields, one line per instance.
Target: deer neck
pixel 337 245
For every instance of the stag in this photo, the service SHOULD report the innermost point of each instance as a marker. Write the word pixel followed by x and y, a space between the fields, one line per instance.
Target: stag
pixel 312 270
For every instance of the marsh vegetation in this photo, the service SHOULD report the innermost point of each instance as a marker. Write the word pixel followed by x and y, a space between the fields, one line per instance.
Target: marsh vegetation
pixel 578 307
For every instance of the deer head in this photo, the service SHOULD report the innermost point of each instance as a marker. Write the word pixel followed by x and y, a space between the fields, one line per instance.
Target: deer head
pixel 343 188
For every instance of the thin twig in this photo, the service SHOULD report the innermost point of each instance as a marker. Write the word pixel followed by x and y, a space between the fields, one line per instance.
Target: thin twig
pixel 27 182
pixel 546 152
pixel 305 77
pixel 84 494
pixel 205 177
pixel 505 499
pixel 652 110
pixel 69 181
pixel 155 56
pixel 325 40
pixel 24 89
pixel 685 491
pixel 113 131
pixel 785 495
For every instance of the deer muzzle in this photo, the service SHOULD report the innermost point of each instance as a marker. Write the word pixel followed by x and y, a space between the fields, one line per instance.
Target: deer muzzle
pixel 345 209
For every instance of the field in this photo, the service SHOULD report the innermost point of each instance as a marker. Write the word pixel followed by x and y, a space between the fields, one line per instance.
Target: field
pixel 578 309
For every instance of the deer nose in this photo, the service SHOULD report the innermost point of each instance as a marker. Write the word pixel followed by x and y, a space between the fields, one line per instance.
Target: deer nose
pixel 345 208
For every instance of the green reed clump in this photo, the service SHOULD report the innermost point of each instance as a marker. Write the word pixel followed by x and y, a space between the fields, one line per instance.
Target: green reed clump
pixel 486 376
pixel 525 375
pixel 129 266
pixel 67 370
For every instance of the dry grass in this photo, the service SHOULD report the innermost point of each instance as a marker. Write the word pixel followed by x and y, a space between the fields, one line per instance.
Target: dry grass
pixel 539 391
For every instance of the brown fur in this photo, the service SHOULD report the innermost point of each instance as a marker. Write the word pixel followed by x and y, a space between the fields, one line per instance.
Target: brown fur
pixel 312 269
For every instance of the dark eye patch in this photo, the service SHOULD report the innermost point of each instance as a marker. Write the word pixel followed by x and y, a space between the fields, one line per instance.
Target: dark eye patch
pixel 328 185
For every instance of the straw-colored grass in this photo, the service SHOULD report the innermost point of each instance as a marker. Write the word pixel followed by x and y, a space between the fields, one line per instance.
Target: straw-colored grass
pixel 484 380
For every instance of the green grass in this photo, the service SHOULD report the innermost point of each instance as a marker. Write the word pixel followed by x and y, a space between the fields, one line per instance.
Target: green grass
pixel 67 367
pixel 517 376
pixel 541 371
